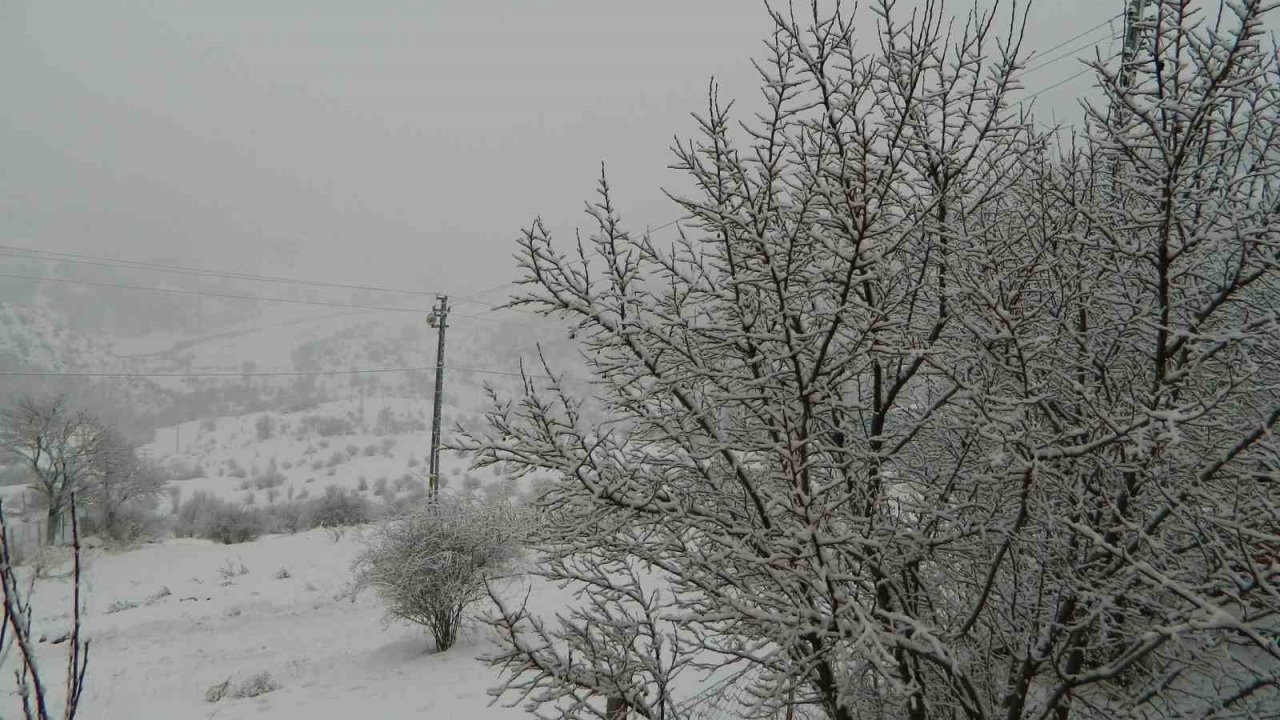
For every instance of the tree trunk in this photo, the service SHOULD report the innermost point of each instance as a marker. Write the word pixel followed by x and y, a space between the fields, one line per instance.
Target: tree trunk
pixel 53 523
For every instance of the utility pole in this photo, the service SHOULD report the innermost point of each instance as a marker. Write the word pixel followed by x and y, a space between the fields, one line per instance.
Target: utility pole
pixel 439 319
pixel 1134 13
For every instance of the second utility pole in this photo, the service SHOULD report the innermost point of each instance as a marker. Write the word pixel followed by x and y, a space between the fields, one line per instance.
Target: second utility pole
pixel 438 318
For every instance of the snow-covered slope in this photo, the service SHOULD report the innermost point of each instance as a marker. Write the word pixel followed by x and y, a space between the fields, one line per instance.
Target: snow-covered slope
pixel 358 444
pixel 169 620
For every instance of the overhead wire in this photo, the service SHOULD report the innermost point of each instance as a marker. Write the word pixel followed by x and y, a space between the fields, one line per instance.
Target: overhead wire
pixel 282 373
pixel 232 296
pixel 1073 38
pixel 32 253
pixel 78 258
pixel 1073 52
pixel 1069 54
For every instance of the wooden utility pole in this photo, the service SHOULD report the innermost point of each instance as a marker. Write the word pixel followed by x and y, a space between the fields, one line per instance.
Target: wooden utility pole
pixel 439 319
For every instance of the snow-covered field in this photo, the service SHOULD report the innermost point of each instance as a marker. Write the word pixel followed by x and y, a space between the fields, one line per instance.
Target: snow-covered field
pixel 229 454
pixel 205 613
pixel 170 619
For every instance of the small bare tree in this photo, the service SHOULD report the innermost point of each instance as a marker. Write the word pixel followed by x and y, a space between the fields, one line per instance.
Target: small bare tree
pixel 15 632
pixel 58 445
pixel 926 415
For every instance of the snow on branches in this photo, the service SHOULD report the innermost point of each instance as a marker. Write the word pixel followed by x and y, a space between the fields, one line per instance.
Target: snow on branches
pixel 927 413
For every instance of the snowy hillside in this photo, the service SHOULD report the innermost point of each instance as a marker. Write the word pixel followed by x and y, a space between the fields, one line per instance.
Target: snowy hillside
pixel 171 620
pixel 374 446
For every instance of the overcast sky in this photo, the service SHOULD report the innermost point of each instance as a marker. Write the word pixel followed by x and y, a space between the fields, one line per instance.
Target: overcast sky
pixel 372 140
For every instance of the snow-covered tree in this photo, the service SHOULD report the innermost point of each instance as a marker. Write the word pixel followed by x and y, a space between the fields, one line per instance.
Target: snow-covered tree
pixel 928 412
pixel 58 445
pixel 121 481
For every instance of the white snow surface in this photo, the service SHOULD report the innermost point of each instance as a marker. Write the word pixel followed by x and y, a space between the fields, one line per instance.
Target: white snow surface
pixel 332 657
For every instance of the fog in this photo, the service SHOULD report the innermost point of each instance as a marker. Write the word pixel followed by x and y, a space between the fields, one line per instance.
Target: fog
pixel 383 141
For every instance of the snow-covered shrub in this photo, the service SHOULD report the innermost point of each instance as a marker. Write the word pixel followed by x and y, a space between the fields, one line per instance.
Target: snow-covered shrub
pixel 136 521
pixel 337 507
pixel 179 470
pixel 264 427
pixel 217 691
pixel 229 570
pixel 285 517
pixel 325 426
pixel 411 501
pixel 259 684
pixel 271 477
pixel 206 516
pixel 120 606
pixel 428 566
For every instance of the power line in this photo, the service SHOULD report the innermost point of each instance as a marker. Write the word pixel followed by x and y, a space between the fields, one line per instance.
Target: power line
pixel 283 373
pixel 1074 38
pixel 1068 54
pixel 1058 84
pixel 230 296
pixel 18 251
pixel 665 225
pixel 486 291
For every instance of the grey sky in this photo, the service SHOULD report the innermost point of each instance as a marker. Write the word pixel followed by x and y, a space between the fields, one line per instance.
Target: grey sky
pixel 376 141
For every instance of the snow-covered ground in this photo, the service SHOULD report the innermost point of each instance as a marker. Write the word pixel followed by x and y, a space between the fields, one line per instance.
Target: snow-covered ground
pixel 205 613
pixel 169 620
